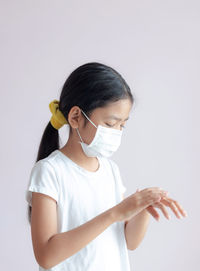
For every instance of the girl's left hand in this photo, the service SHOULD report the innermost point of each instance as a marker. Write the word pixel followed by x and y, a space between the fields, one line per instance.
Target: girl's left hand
pixel 165 200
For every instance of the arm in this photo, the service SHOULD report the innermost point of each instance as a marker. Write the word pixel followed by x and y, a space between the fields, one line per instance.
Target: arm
pixel 50 247
pixel 135 229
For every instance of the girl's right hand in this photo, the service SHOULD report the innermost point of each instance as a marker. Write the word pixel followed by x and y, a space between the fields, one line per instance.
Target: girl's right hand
pixel 137 202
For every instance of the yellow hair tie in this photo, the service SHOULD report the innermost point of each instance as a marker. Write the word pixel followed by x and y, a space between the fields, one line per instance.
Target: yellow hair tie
pixel 57 119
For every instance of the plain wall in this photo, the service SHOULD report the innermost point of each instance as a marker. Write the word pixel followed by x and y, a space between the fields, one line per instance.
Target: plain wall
pixel 155 46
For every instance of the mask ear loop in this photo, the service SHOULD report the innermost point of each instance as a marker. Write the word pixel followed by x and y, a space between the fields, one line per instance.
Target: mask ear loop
pixel 79 134
pixel 88 118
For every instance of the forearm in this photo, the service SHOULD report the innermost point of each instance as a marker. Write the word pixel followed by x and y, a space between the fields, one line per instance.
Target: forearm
pixel 63 245
pixel 136 228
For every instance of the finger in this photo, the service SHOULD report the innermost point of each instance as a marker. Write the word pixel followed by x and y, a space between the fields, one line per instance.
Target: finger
pixel 180 208
pixel 154 189
pixel 153 212
pixel 163 209
pixel 170 203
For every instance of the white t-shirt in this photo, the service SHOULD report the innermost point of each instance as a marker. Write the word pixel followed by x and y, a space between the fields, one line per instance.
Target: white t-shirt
pixel 81 195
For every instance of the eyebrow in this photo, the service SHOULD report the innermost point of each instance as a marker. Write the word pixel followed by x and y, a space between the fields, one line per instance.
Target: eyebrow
pixel 116 118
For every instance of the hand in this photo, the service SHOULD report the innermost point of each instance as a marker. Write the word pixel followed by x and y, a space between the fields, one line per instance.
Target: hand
pixel 165 200
pixel 137 202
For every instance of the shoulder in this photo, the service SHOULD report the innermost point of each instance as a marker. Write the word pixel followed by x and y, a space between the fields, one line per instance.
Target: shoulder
pixel 43 169
pixel 42 165
pixel 47 163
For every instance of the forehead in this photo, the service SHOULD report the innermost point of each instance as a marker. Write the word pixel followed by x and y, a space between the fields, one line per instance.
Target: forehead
pixel 117 111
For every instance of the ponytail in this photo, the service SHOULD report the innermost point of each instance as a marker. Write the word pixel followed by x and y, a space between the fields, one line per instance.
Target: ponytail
pixel 90 86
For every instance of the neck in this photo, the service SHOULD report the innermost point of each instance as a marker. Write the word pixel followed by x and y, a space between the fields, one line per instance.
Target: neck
pixel 74 151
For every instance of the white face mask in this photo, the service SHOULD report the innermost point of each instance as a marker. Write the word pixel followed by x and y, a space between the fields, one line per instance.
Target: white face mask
pixel 105 142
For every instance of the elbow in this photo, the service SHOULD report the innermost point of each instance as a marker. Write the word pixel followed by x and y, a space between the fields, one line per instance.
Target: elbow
pixel 45 264
pixel 45 259
pixel 131 248
pixel 132 245
pixel 42 262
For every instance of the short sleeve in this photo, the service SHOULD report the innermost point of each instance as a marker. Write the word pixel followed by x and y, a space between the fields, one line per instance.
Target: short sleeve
pixel 122 187
pixel 43 180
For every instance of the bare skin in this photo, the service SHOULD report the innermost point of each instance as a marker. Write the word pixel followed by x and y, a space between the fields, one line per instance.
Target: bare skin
pixel 122 110
pixel 175 206
pixel 100 116
pixel 136 225
pixel 51 247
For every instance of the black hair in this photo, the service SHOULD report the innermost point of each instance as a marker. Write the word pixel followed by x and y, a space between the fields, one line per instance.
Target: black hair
pixel 89 86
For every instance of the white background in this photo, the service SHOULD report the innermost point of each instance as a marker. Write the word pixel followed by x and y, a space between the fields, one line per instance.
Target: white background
pixel 155 46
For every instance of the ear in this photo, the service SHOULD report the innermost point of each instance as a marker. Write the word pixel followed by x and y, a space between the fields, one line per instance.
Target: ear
pixel 75 117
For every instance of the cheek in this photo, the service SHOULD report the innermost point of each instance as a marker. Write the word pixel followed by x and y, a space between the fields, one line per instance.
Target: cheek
pixel 89 134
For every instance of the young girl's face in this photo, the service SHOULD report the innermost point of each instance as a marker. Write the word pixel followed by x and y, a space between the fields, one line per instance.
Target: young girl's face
pixel 113 115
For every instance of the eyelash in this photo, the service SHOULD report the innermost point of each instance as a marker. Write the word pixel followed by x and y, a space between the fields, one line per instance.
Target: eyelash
pixel 112 125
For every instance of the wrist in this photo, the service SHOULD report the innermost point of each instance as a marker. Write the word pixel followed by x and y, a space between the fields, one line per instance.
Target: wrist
pixel 113 214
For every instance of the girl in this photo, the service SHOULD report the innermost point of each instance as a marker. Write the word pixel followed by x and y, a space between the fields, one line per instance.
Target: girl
pixel 79 220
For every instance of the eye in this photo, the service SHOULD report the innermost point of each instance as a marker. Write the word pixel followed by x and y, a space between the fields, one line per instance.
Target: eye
pixel 109 125
pixel 113 125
